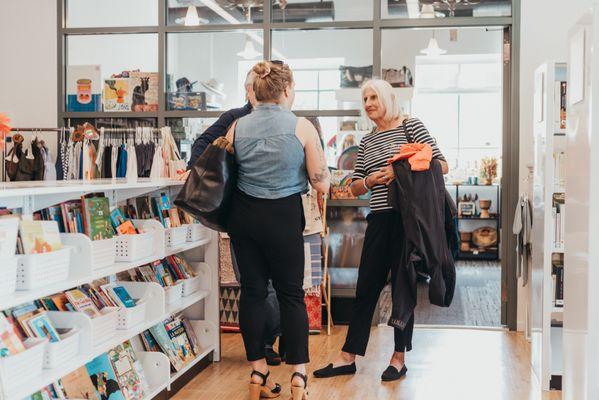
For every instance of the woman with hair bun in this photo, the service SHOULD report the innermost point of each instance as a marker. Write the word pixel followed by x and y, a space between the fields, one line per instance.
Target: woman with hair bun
pixel 278 155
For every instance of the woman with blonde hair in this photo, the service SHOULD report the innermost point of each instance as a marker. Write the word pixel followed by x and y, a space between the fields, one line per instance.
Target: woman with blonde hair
pixel 277 155
pixel 384 232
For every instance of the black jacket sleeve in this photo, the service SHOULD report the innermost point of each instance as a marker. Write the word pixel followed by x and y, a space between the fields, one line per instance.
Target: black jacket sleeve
pixel 216 130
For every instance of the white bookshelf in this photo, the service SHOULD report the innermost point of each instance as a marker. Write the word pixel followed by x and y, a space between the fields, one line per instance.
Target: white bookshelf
pixel 546 352
pixel 200 307
pixel 581 312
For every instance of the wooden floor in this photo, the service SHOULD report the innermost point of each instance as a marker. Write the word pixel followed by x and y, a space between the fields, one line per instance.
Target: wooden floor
pixel 446 364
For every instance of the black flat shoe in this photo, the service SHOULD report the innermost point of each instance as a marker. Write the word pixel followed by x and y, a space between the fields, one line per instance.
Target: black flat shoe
pixel 272 358
pixel 329 371
pixel 392 374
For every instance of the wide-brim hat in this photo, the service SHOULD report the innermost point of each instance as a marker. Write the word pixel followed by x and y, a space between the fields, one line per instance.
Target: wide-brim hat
pixel 214 86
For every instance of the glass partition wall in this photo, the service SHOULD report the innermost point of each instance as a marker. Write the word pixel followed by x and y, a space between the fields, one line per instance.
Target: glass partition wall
pixel 181 63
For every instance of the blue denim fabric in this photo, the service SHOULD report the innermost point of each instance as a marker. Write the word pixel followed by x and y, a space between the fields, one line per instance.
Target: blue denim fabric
pixel 270 156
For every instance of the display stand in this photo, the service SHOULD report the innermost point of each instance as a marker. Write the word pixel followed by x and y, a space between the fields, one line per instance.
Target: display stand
pixel 546 352
pixel 581 296
pixel 197 300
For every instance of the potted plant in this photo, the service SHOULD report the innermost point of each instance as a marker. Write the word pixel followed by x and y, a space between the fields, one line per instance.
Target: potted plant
pixel 488 170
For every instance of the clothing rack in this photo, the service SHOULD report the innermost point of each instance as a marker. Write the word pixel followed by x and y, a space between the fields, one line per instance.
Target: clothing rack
pixel 37 129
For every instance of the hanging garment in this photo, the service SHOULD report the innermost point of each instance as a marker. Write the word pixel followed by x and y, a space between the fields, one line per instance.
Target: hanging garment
pixel 131 173
pixel 50 173
pixel 121 167
pixel 107 162
pixel 157 164
pixel 86 163
pixel 100 153
pixel 114 160
pixel 420 198
pixel 61 159
pixel 522 228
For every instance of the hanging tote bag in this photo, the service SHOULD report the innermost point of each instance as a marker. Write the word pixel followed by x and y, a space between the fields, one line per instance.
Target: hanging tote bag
pixel 207 192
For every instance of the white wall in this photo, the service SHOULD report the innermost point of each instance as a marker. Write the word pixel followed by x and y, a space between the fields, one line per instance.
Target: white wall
pixel 544 36
pixel 28 69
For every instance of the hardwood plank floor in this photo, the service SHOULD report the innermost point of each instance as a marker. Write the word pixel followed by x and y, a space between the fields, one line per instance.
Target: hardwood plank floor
pixel 447 364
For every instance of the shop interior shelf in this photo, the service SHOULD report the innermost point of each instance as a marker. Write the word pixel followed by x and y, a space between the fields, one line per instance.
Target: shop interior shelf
pixel 478 218
pixel 51 375
pixel 205 352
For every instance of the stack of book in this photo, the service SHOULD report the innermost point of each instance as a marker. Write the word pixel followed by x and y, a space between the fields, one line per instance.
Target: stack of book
pixel 165 272
pixel 174 337
pixel 115 375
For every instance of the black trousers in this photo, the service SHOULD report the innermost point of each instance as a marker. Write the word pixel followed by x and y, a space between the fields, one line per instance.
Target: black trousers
pixel 384 236
pixel 268 242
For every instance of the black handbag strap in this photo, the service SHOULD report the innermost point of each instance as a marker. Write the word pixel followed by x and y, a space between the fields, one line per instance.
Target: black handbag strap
pixel 407 131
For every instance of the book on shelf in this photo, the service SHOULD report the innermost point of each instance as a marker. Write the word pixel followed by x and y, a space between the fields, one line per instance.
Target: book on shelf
pixel 103 378
pixel 41 327
pixel 161 209
pixel 121 224
pixel 119 294
pixel 177 334
pixel 39 236
pixel 144 92
pixel 96 218
pixel 9 227
pixel 162 338
pixel 82 303
pixel 84 88
pixel 148 341
pixel 127 374
pixel 144 207
pixel 173 215
pixel 117 95
pixel 78 385
pixel 72 216
pixel 191 335
pixel 10 342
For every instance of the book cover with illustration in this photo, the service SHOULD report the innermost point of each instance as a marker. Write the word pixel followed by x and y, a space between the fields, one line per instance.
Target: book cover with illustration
pixel 104 379
pixel 144 207
pixel 10 342
pixel 84 88
pixel 78 385
pixel 39 236
pixel 176 331
pixel 121 224
pixel 167 346
pixel 42 327
pixel 161 209
pixel 127 374
pixel 117 95
pixel 82 303
pixel 123 297
pixel 145 91
pixel 96 217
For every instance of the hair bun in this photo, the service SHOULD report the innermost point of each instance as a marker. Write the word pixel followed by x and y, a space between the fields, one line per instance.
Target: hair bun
pixel 262 69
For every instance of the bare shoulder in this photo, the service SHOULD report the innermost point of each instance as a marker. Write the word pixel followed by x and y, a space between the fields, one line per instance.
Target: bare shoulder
pixel 305 130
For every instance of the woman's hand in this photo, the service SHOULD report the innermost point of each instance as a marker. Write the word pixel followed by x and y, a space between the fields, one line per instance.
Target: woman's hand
pixel 384 176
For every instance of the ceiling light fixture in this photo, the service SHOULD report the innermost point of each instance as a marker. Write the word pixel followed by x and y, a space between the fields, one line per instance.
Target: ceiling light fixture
pixel 433 48
pixel 192 18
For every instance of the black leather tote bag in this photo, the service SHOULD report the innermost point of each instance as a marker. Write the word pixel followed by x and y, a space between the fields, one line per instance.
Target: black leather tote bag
pixel 208 189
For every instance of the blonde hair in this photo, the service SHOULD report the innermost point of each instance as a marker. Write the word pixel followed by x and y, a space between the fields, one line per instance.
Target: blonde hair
pixel 386 95
pixel 271 80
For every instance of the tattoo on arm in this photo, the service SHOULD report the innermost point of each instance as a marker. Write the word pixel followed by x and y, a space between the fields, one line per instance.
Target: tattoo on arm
pixel 323 174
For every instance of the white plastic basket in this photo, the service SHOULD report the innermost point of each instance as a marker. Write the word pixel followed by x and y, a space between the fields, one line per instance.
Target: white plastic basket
pixel 196 232
pixel 191 285
pixel 8 284
pixel 37 270
pixel 175 236
pixel 174 293
pixel 19 369
pixel 103 253
pixel 134 247
pixel 59 353
pixel 104 326
pixel 130 317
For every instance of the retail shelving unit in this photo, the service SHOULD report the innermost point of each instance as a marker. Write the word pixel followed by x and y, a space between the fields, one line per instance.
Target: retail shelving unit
pixel 546 320
pixel 581 294
pixel 200 307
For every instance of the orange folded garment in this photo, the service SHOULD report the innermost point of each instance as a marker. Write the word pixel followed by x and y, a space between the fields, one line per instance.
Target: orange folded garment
pixel 419 155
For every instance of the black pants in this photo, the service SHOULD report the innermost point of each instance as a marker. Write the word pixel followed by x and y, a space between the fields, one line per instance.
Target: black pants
pixel 384 236
pixel 268 242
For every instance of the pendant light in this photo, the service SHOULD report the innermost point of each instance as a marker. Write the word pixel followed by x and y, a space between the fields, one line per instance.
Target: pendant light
pixel 433 48
pixel 192 18
pixel 249 52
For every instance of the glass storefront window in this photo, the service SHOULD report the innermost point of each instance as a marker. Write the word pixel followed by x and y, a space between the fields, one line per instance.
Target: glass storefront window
pixel 321 11
pixel 97 73
pixel 186 130
pixel 445 8
pixel 214 12
pixel 207 71
pixel 328 65
pixel 108 13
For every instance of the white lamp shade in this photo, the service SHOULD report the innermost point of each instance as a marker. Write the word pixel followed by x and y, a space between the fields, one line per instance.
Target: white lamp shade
pixel 192 18
pixel 433 48
pixel 249 51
